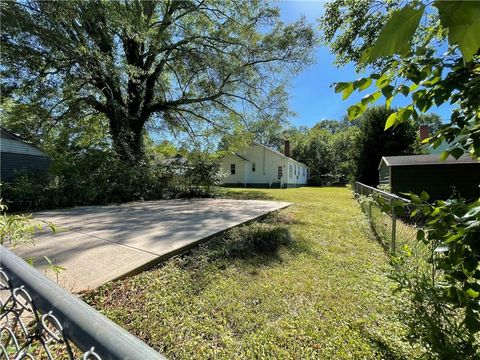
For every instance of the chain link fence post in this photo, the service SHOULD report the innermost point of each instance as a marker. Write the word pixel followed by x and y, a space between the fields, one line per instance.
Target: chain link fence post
pixel 394 232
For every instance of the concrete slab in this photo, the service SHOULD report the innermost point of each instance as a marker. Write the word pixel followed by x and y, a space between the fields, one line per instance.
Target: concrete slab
pixel 98 244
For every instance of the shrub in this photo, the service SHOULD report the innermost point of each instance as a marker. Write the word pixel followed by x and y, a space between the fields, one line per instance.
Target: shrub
pixel 441 275
pixel 98 177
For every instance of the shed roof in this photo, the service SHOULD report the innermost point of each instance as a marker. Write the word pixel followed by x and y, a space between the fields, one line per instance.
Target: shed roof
pixel 432 159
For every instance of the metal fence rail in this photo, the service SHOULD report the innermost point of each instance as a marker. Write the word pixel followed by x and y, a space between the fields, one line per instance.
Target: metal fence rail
pixel 39 319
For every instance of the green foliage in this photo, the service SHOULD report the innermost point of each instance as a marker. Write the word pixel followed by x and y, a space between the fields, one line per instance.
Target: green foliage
pixel 395 36
pixel 441 275
pixel 179 66
pixel 462 19
pixel 419 274
pixel 454 227
pixel 350 27
pixel 18 229
pixel 325 148
pixel 427 77
pixel 203 172
pixel 372 142
pixel 100 177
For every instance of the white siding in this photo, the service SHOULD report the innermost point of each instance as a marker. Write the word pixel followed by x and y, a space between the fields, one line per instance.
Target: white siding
pixel 266 163
pixel 18 147
pixel 240 165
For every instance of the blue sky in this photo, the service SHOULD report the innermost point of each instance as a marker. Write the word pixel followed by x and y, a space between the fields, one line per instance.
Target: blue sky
pixel 311 96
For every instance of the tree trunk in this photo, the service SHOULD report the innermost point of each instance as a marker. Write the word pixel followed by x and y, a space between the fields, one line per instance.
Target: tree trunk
pixel 127 136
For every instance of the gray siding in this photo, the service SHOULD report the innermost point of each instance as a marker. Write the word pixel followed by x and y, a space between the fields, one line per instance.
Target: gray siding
pixel 437 180
pixel 14 164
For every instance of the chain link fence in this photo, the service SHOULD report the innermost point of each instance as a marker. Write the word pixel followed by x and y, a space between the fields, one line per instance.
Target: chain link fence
pixel 40 320
pixel 27 334
pixel 394 230
pixel 397 231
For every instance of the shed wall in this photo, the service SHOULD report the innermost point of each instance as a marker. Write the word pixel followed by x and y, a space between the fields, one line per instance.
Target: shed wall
pixel 437 180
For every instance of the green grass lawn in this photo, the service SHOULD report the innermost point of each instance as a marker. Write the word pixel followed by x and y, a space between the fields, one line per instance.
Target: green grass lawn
pixel 307 282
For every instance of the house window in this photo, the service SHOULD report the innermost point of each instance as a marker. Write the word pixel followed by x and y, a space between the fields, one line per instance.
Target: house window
pixel 303 172
pixel 253 167
pixel 290 170
pixel 232 169
pixel 280 172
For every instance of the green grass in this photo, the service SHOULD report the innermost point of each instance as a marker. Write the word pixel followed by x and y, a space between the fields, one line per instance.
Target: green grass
pixel 307 282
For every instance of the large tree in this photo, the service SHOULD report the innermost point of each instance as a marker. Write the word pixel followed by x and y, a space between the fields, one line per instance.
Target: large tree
pixel 372 142
pixel 175 64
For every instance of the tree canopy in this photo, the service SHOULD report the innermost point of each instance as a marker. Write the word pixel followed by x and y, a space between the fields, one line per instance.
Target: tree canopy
pixel 179 65
pixel 406 61
pixel 373 142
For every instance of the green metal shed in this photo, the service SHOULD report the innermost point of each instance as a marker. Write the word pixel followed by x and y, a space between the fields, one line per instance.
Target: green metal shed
pixel 439 178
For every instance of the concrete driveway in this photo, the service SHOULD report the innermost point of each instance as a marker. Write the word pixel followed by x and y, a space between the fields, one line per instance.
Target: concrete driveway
pixel 97 244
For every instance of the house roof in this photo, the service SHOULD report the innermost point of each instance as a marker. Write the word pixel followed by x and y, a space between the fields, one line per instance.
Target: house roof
pixel 240 156
pixel 9 135
pixel 278 153
pixel 5 134
pixel 432 159
pixel 271 150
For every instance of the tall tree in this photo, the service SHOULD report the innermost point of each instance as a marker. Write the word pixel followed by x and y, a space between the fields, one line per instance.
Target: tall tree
pixel 183 64
pixel 373 142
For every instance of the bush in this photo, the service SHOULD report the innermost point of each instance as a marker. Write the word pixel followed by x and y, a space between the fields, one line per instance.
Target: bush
pixel 99 177
pixel 440 273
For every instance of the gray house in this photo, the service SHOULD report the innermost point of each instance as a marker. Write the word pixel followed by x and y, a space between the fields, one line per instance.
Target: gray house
pixel 417 173
pixel 18 157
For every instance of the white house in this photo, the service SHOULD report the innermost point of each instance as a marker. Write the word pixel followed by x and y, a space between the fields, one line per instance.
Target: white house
pixel 260 166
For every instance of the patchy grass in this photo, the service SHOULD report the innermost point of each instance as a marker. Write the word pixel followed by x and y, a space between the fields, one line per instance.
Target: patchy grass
pixel 306 282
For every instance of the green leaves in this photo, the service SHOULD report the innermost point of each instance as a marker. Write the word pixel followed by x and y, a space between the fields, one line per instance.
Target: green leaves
pixel 402 115
pixel 362 84
pixel 346 88
pixel 462 19
pixel 395 36
pixel 455 152
pixel 355 111
pixel 392 119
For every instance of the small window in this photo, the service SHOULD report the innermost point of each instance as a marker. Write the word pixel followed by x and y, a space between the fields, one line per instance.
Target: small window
pixel 232 169
pixel 290 170
pixel 253 167
pixel 280 172
pixel 303 172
